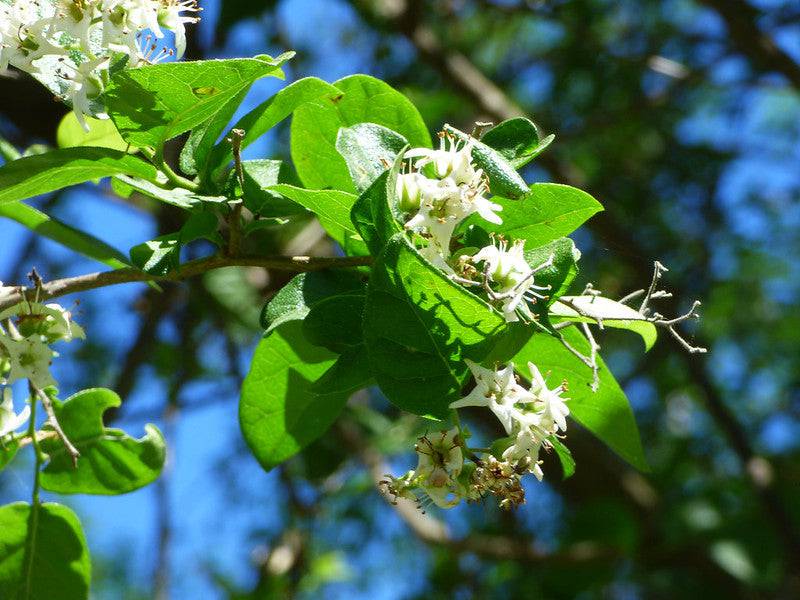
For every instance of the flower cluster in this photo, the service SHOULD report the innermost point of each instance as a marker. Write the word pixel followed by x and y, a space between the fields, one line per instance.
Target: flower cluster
pixel 79 39
pixel 531 417
pixel 440 462
pixel 441 188
pixel 508 278
pixel 26 333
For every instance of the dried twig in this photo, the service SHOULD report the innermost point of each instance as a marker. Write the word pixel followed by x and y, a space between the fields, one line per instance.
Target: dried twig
pixel 53 421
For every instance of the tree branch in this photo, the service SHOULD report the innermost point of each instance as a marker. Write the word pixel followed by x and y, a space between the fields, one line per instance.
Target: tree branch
pixel 61 287
pixel 740 18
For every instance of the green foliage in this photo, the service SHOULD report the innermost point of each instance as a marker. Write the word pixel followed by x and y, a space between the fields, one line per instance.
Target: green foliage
pixel 161 256
pixel 606 412
pixel 102 134
pixel 408 325
pixel 517 141
pixel 564 456
pixel 43 553
pixel 373 214
pixel 332 207
pixel 111 462
pixel 34 175
pixel 296 299
pixel 561 274
pixel 419 327
pixel 8 450
pixel 280 412
pixel 548 212
pixel 368 149
pixel 178 197
pixel 503 177
pixel 315 128
pixel 269 113
pixel 259 176
pixel 152 105
pixel 611 313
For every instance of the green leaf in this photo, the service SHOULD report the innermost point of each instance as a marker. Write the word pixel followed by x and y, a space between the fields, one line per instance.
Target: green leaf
pixel 155 103
pixel 316 125
pixel 350 373
pixel 279 412
pixel 517 140
pixel 335 322
pixel 503 178
pixel 563 272
pixel 594 309
pixel 180 197
pixel 64 234
pixel 332 207
pixel 374 214
pixel 259 177
pixel 195 152
pixel 549 211
pixel 296 299
pixel 43 557
pixel 419 327
pixel 606 412
pixel 102 134
pixel 162 255
pixel 34 175
pixel 269 113
pixel 111 462
pixel 8 450
pixel 564 456
pixel 368 149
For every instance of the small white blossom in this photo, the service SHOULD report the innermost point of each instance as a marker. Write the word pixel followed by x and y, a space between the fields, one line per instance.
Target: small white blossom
pixel 440 463
pixel 29 358
pixel 548 405
pixel 9 420
pixel 50 320
pixel 80 37
pixel 439 203
pixel 512 278
pixel 526 447
pixel 497 390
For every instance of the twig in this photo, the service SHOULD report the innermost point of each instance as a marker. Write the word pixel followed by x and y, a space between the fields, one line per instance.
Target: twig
pixel 53 420
pixel 61 287
pixel 235 217
pixel 593 348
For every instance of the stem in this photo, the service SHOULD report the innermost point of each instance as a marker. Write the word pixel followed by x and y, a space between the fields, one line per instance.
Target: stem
pixel 33 523
pixel 171 175
pixel 91 281
pixel 8 151
pixel 53 420
pixel 37 450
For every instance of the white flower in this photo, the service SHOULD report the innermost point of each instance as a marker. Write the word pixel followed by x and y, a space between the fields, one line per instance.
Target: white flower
pixel 82 37
pixel 449 161
pixel 50 320
pixel 456 191
pixel 440 463
pixel 171 17
pixel 549 406
pixel 9 420
pixel 497 390
pixel 29 358
pixel 512 276
pixel 526 447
